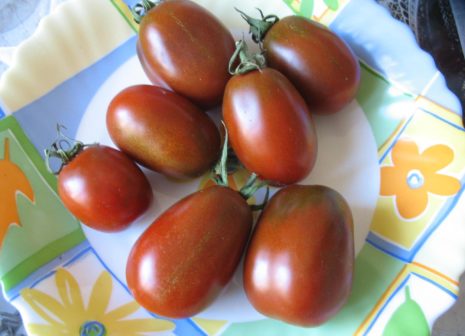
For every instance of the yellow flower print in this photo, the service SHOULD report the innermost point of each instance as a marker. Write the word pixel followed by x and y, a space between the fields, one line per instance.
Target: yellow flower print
pixel 414 175
pixel 70 316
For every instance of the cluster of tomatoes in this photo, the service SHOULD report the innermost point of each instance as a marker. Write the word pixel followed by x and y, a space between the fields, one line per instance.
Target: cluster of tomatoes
pixel 299 258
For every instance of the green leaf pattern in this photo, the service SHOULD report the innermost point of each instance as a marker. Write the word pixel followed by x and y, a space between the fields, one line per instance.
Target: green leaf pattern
pixel 332 4
pixel 408 319
pixel 306 8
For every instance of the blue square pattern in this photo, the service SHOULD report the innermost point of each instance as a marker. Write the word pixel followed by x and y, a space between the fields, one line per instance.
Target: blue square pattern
pixel 131 3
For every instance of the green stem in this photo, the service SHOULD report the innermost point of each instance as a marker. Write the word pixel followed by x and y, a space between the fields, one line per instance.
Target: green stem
pixel 220 172
pixel 63 148
pixel 259 27
pixel 141 8
pixel 251 186
pixel 233 163
pixel 259 207
pixel 245 61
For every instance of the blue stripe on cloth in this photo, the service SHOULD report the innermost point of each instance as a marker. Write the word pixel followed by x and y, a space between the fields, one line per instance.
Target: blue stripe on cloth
pixel 48 270
pixel 67 103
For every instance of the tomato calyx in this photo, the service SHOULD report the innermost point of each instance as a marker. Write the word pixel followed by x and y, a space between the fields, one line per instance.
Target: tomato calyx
pixel 219 173
pixel 251 186
pixel 259 27
pixel 227 164
pixel 245 60
pixel 141 8
pixel 64 148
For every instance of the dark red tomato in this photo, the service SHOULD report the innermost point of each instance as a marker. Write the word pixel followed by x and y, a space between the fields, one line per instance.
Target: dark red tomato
pixel 269 126
pixel 104 189
pixel 186 257
pixel 316 60
pixel 188 48
pixel 163 131
pixel 299 264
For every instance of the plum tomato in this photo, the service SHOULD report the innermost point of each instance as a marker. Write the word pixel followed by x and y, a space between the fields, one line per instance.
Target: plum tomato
pixel 188 48
pixel 163 131
pixel 316 60
pixel 179 265
pixel 299 264
pixel 104 188
pixel 270 127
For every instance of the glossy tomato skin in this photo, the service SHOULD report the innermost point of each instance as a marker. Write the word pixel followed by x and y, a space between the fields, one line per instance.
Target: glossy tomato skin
pixel 188 48
pixel 316 60
pixel 104 189
pixel 299 264
pixel 185 258
pixel 163 131
pixel 269 126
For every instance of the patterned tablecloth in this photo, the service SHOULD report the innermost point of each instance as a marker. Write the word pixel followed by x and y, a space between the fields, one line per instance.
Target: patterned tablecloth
pixel 406 275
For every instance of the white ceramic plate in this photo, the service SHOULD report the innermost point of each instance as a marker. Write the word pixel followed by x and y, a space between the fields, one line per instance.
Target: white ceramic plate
pixel 347 161
pixel 346 144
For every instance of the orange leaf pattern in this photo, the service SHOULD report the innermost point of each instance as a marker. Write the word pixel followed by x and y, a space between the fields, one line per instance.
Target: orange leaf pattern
pixel 12 182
